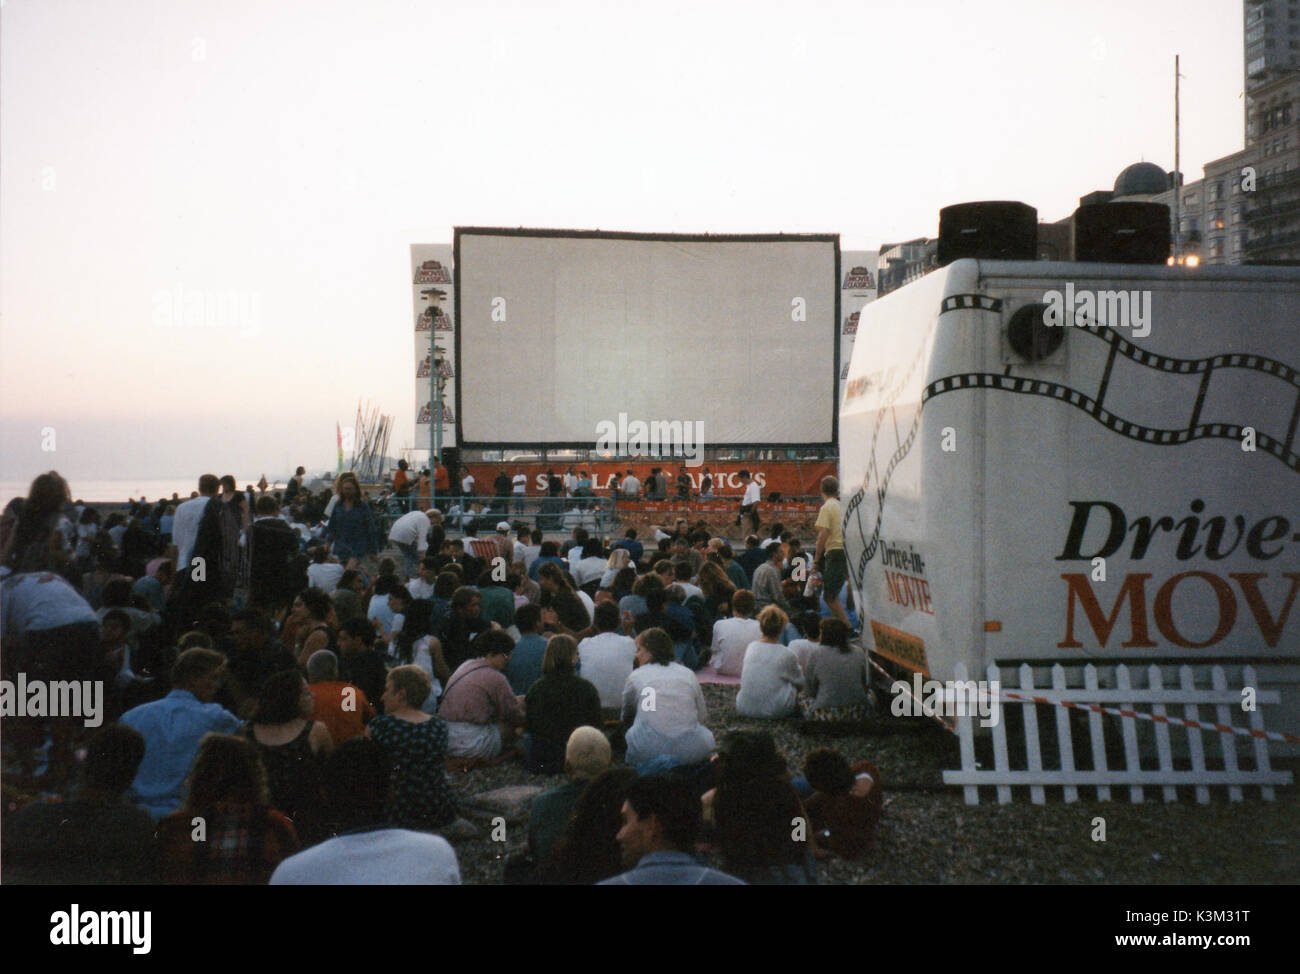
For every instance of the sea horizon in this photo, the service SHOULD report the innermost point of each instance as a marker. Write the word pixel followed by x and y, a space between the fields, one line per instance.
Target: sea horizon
pixel 121 491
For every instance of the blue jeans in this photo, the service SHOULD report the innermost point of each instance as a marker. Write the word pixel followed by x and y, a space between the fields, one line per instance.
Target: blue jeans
pixel 686 655
pixel 411 556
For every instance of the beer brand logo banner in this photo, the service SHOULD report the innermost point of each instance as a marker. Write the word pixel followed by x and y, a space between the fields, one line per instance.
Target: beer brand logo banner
pixel 858 277
pixel 433 303
pixel 444 369
pixel 426 414
pixel 432 317
pixel 432 272
pixel 857 291
pixel 790 478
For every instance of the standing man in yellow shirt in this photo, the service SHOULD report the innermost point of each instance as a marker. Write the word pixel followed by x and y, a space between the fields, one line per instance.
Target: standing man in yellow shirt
pixel 830 548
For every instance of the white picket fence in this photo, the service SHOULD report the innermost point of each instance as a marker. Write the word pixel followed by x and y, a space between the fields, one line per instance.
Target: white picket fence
pixel 1223 701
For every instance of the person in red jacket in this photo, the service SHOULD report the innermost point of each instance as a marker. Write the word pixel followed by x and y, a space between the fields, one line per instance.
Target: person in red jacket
pixel 845 807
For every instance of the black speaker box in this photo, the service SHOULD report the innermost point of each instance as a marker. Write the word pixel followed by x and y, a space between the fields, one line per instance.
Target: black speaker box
pixel 1122 233
pixel 995 230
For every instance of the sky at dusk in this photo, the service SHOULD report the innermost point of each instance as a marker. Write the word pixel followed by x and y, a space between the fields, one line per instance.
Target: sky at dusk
pixel 277 159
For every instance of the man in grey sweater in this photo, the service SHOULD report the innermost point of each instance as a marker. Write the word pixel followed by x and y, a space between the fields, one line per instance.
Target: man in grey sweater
pixel 767 582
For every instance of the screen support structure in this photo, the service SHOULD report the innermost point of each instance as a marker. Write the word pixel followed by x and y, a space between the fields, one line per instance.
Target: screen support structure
pixel 435 419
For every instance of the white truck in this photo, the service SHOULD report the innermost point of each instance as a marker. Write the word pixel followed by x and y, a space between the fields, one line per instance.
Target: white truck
pixel 1050 462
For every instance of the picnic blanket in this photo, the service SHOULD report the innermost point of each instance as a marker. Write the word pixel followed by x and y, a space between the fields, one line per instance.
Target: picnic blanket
pixel 709 675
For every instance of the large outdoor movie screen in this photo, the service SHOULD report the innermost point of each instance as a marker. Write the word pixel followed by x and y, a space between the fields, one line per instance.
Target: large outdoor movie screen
pixel 564 334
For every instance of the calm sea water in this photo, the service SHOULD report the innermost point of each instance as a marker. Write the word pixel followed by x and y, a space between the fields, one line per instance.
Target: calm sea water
pixel 116 491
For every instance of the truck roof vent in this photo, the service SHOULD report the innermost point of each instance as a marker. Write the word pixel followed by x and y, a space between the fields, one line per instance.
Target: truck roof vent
pixel 1121 233
pixel 992 230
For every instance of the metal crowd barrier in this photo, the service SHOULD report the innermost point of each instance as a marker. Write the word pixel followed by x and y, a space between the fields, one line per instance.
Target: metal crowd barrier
pixel 547 514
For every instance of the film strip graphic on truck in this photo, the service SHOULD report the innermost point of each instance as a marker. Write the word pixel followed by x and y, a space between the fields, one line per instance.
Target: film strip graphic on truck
pixel 1282 447
pixel 875 483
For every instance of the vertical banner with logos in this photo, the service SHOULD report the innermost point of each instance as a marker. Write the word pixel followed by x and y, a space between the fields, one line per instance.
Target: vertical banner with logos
pixel 857 290
pixel 432 293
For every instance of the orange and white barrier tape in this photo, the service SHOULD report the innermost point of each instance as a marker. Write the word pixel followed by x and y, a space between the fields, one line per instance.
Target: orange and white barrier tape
pixel 949 725
pixel 1160 718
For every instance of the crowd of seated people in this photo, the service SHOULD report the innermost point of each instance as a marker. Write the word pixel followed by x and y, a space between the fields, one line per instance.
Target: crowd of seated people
pixel 259 700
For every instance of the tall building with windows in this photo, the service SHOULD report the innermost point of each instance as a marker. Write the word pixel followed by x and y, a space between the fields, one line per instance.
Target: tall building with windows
pixel 1272 50
pixel 1272 208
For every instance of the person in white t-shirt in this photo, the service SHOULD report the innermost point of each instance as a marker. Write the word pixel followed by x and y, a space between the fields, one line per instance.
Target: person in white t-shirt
pixel 410 535
pixel 731 637
pixel 378 612
pixel 185 524
pixel 682 575
pixel 532 548
pixel 519 488
pixel 325 571
pixel 422 587
pixel 519 550
pixel 587 601
pixel 676 725
pixel 631 487
pixel 467 484
pixel 809 626
pixel 749 502
pixel 606 659
pixel 591 566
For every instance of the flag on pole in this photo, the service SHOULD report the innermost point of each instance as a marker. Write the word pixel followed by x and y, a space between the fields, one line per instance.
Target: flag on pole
pixel 339 429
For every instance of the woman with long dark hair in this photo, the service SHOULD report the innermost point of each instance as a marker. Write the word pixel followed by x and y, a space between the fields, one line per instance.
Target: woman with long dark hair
pixel 556 705
pixel 588 851
pixel 718 590
pixel 352 525
pixel 762 828
pixel 416 643
pixel 243 839
pixel 291 745
pixel 42 521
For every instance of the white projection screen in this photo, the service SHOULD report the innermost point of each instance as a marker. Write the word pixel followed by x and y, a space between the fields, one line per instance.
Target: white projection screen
pixel 560 330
